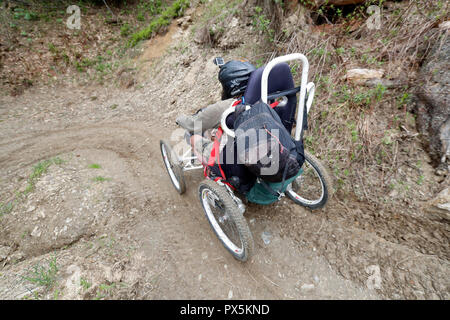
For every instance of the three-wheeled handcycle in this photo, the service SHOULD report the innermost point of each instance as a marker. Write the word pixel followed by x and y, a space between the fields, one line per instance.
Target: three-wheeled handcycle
pixel 223 207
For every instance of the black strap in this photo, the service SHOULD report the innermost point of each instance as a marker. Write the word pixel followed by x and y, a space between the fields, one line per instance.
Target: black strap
pixel 286 93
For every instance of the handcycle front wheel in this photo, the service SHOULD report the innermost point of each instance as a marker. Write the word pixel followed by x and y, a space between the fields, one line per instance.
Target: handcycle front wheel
pixel 226 219
pixel 173 167
pixel 313 187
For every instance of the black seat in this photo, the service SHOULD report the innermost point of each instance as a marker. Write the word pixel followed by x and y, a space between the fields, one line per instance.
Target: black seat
pixel 280 79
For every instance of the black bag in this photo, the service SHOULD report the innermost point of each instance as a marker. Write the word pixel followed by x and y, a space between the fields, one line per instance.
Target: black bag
pixel 264 145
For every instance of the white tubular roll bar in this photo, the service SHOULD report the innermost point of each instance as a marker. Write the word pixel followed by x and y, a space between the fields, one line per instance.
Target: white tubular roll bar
pixel 223 120
pixel 307 91
pixel 304 86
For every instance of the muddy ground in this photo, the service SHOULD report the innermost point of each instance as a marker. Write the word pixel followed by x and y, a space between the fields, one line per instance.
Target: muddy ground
pixel 103 220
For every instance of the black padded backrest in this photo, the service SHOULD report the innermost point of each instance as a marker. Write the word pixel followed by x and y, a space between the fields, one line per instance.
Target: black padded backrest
pixel 280 78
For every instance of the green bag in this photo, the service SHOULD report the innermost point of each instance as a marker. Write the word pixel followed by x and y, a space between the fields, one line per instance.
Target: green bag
pixel 260 195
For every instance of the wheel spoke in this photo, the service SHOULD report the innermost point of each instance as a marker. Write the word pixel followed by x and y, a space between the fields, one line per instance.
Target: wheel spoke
pixel 221 222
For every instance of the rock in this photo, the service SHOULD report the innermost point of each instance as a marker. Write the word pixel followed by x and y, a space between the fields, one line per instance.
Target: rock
pixel 229 41
pixel 393 193
pixel 202 36
pixel 444 25
pixel 432 103
pixel 41 214
pixel 184 22
pixel 361 76
pixel 439 207
pixel 307 287
pixel 266 236
pixel 16 257
pixel 234 22
pixel 36 232
pixel 73 282
pixel 118 271
pixel 108 274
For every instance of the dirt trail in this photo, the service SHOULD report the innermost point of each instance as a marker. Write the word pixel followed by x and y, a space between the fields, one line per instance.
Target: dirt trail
pixel 171 235
pixel 131 235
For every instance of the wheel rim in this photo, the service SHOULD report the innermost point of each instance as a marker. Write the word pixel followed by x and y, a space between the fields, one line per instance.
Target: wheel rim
pixel 308 187
pixel 169 167
pixel 221 222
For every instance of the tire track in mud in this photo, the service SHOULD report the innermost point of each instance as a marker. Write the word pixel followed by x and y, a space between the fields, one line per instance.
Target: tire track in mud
pixel 352 248
pixel 183 235
pixel 195 259
pixel 182 238
pixel 137 146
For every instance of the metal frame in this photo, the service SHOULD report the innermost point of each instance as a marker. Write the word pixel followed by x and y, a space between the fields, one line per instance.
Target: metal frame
pixel 189 161
pixel 307 90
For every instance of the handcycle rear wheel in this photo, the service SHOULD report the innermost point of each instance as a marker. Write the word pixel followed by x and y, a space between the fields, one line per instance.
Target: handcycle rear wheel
pixel 226 219
pixel 313 187
pixel 173 167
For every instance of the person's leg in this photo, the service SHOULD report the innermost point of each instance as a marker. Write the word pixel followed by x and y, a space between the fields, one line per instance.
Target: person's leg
pixel 208 117
pixel 202 147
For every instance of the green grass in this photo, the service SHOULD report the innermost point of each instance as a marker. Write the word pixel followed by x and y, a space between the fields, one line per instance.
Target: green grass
pixel 362 98
pixel 100 179
pixel 38 170
pixel 85 284
pixel 85 63
pixel 420 180
pixel 262 23
pixel 95 166
pixel 44 275
pixel 6 207
pixel 104 290
pixel 28 15
pixel 164 19
pixel 125 30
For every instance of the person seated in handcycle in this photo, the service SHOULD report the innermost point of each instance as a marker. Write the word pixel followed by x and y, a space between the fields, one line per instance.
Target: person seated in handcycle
pixel 234 77
pixel 240 81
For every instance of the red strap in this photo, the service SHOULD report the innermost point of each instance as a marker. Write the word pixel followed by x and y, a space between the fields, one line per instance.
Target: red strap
pixel 214 156
pixel 273 105
pixel 215 149
pixel 236 103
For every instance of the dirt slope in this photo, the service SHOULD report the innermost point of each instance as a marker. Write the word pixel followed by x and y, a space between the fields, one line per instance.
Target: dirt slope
pixel 128 234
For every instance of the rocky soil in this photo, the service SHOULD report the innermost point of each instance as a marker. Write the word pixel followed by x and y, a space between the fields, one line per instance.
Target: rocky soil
pixel 103 220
